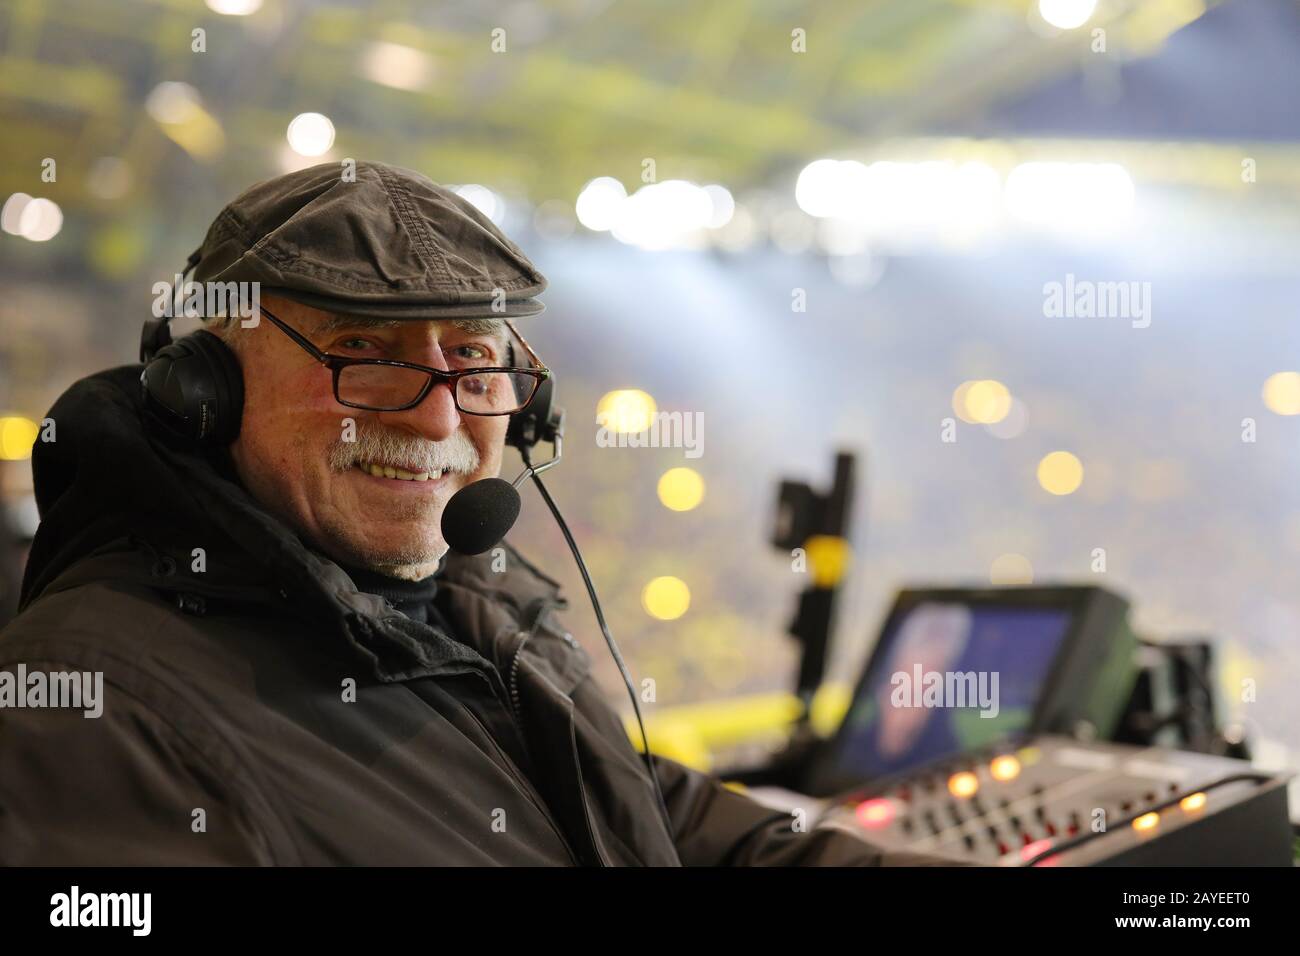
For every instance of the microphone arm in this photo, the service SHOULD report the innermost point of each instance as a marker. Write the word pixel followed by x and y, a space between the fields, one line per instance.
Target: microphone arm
pixel 555 435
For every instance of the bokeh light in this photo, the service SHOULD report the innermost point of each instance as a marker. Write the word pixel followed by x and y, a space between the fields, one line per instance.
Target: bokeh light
pixel 1282 393
pixel 681 489
pixel 599 203
pixel 1090 198
pixel 625 410
pixel 819 190
pixel 1060 473
pixel 1066 14
pixel 666 598
pixel 32 218
pixel 12 213
pixel 41 220
pixel 17 435
pixel 234 8
pixel 722 205
pixel 310 134
pixel 663 215
pixel 981 402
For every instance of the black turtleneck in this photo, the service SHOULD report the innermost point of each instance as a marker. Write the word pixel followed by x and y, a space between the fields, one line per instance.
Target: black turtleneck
pixel 412 598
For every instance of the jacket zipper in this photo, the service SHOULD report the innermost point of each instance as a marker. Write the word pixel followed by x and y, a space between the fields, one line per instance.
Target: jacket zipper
pixel 518 709
pixel 514 660
pixel 514 681
pixel 525 785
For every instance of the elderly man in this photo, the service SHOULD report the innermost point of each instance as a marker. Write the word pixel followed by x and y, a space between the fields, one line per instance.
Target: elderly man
pixel 295 669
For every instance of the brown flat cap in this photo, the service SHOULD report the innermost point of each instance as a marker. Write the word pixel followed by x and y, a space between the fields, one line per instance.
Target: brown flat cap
pixel 392 244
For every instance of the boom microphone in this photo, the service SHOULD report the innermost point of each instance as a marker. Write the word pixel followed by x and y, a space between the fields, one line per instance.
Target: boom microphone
pixel 479 515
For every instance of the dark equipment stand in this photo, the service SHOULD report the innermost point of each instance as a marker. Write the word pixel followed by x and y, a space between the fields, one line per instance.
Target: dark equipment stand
pixel 802 514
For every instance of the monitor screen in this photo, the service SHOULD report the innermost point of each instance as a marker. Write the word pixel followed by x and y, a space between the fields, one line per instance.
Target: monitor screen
pixel 948 677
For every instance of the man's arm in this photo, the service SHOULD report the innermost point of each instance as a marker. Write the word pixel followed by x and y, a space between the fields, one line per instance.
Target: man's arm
pixel 716 826
pixel 118 790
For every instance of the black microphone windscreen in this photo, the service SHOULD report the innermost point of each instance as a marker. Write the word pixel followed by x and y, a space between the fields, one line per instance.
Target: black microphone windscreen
pixel 479 515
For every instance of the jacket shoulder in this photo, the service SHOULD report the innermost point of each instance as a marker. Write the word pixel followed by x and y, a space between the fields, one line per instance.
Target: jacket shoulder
pixel 141 641
pixel 96 616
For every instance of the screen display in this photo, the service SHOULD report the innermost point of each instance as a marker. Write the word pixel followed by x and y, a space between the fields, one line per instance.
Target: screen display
pixel 948 677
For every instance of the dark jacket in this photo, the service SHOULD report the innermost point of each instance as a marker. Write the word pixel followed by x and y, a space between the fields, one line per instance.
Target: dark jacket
pixel 228 734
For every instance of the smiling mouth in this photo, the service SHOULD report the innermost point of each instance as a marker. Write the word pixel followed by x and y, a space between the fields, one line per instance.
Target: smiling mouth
pixel 401 474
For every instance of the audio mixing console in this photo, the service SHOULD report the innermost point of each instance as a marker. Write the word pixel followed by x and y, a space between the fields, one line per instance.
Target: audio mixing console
pixel 1053 801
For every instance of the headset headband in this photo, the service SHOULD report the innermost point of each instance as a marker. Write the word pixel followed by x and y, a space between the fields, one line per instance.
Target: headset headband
pixel 155 334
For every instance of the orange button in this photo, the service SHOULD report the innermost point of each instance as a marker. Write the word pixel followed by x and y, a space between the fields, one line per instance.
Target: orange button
pixel 963 784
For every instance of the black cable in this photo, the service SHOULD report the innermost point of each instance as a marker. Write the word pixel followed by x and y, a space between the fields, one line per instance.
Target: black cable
pixel 609 639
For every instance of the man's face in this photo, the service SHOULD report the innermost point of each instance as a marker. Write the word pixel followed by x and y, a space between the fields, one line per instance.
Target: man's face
pixel 293 457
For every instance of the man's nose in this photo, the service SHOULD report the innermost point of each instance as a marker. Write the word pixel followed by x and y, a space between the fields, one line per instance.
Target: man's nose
pixel 435 418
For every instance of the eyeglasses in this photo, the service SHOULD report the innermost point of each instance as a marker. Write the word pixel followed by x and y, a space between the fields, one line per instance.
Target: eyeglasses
pixel 384 385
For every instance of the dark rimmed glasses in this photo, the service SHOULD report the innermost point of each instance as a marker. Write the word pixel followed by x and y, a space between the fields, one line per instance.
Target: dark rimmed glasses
pixel 386 385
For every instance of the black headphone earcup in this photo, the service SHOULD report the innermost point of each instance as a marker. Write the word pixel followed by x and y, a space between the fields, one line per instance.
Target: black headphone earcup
pixel 194 388
pixel 527 424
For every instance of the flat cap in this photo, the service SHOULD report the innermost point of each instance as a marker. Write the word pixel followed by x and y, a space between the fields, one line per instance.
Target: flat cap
pixel 389 243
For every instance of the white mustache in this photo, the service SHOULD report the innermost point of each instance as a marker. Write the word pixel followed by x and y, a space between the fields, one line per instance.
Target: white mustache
pixel 405 451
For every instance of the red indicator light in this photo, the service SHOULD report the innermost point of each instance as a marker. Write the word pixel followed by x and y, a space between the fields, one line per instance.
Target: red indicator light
pixel 875 813
pixel 1031 850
